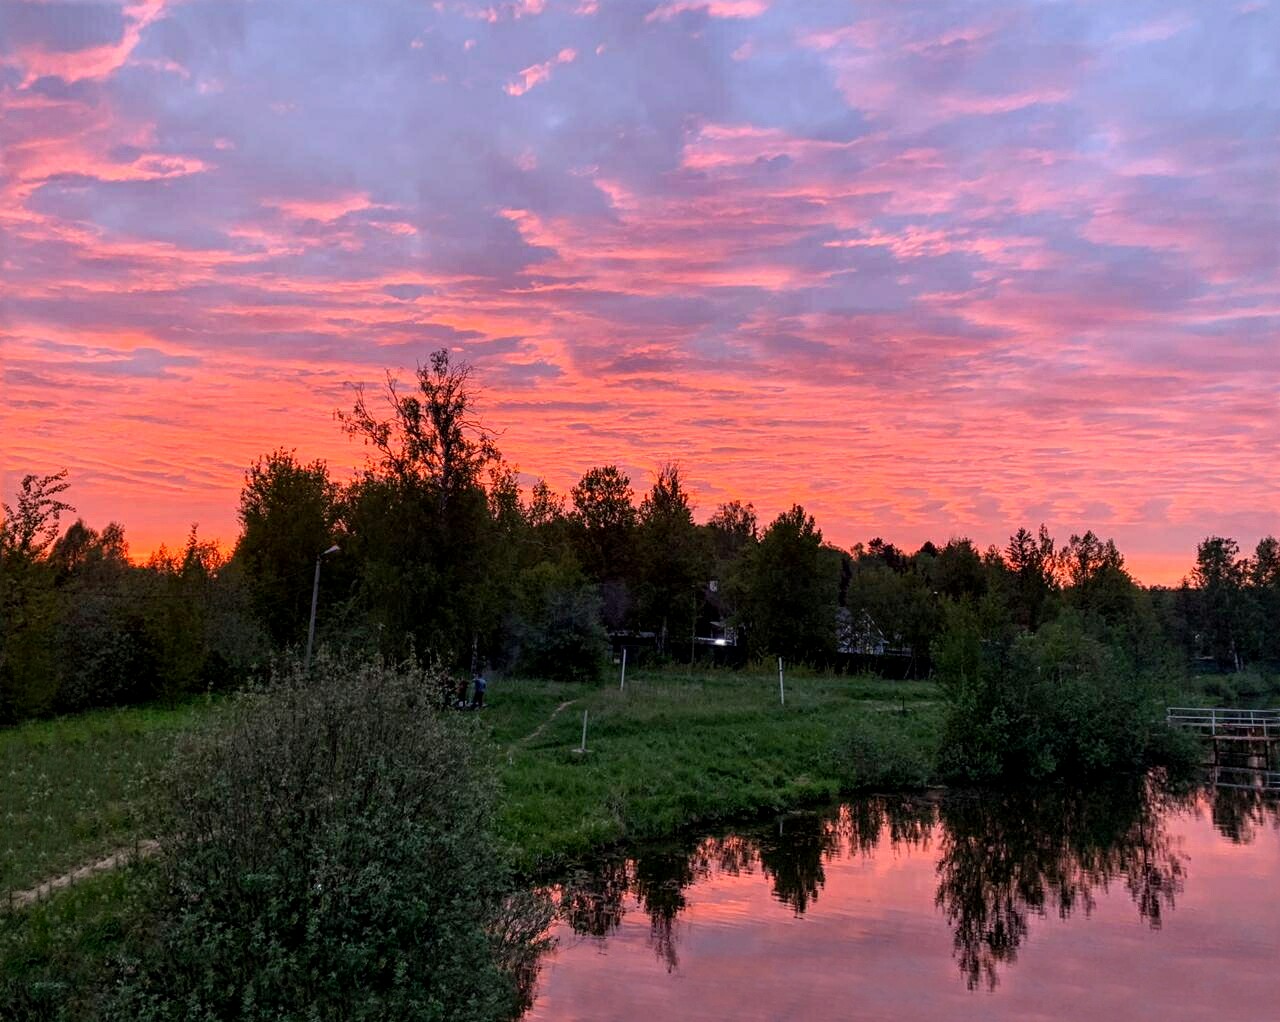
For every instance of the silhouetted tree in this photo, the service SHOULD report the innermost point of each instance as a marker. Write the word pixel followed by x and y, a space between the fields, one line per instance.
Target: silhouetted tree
pixel 1033 561
pixel 1220 575
pixel 786 592
pixel 417 520
pixel 672 560
pixel 28 599
pixel 605 517
pixel 288 514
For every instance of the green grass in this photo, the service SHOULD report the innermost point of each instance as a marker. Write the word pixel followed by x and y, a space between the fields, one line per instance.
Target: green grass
pixel 1250 689
pixel 52 954
pixel 671 751
pixel 76 788
pixel 668 752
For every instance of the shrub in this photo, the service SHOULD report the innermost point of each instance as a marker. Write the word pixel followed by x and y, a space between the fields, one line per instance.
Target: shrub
pixel 1062 702
pixel 1222 689
pixel 332 855
pixel 883 756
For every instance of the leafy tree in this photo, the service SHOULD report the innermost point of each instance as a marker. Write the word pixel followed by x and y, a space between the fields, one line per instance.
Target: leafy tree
pixel 893 558
pixel 605 515
pixel 187 623
pixel 288 513
pixel 957 570
pixel 672 561
pixel 28 530
pixel 28 599
pixel 1264 586
pixel 417 520
pixel 1097 582
pixel 1220 576
pixel 556 629
pixel 1062 702
pixel 731 534
pixel 786 592
pixel 546 508
pixel 331 853
pixel 900 604
pixel 733 528
pixel 1033 561
pixel 433 435
pixel 105 657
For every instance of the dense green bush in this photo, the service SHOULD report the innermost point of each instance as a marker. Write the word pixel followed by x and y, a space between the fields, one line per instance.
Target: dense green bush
pixel 1069 700
pixel 332 856
pixel 881 755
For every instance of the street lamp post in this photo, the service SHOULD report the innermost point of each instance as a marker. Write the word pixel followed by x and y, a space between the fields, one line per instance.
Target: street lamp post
pixel 315 596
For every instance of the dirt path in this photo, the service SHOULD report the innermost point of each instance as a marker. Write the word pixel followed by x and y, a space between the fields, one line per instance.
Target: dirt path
pixel 543 726
pixel 148 848
pixel 21 899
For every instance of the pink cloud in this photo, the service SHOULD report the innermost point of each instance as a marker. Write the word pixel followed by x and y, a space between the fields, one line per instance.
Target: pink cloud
pixel 925 269
pixel 536 74
pixel 712 8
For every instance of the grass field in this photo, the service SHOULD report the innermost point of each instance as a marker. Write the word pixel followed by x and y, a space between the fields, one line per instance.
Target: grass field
pixel 667 752
pixel 671 750
pixel 76 788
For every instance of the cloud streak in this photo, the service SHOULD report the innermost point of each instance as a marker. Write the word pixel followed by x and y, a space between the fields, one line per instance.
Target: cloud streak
pixel 927 268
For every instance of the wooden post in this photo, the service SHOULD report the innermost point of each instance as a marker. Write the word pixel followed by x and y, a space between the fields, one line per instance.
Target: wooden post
pixel 623 683
pixel 583 747
pixel 782 691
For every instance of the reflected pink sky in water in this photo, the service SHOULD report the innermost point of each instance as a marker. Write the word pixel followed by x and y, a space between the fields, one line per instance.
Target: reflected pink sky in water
pixel 874 946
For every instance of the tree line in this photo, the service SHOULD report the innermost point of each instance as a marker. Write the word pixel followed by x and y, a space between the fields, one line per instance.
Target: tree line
pixel 442 556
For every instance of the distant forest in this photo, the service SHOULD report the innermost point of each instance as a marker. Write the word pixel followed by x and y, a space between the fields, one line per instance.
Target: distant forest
pixel 442 557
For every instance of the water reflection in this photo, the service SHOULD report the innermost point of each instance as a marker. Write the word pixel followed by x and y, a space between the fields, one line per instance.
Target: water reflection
pixel 1240 812
pixel 1000 859
pixel 1005 858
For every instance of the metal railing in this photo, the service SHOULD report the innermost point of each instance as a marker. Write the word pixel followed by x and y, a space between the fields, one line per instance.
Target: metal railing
pixel 1215 722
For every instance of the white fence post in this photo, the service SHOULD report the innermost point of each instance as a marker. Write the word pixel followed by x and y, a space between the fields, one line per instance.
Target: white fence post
pixel 623 683
pixel 782 691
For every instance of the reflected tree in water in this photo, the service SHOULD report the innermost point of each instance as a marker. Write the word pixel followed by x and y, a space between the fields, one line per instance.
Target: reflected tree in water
pixel 1238 813
pixel 792 856
pixel 1005 857
pixel 659 883
pixel 1002 857
pixel 592 901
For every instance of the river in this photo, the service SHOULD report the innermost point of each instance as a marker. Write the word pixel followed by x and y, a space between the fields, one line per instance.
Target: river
pixel 1128 903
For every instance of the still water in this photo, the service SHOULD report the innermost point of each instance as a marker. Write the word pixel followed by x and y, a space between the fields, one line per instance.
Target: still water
pixel 1129 904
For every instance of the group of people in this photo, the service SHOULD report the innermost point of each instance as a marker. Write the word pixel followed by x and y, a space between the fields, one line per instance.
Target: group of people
pixel 476 702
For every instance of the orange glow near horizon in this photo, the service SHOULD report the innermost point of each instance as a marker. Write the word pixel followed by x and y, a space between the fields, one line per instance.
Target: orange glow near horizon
pixel 927 272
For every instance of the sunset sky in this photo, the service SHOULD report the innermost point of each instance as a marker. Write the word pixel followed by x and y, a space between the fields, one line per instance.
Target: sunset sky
pixel 930 269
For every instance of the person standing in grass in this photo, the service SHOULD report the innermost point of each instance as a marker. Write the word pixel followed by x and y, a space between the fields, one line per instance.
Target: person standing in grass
pixel 478 682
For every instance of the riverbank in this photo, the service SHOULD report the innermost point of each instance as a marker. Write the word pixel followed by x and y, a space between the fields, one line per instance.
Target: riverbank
pixel 668 752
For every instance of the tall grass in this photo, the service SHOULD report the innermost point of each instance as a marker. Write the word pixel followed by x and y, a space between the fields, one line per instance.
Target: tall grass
pixel 672 750
pixel 76 788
